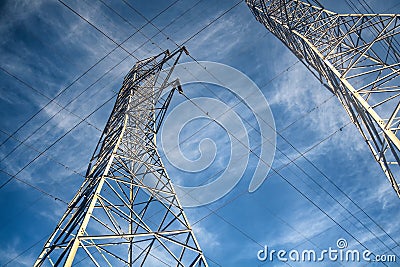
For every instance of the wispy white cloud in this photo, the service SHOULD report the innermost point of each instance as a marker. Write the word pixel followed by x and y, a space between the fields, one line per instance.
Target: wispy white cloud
pixel 208 238
pixel 20 10
pixel 308 223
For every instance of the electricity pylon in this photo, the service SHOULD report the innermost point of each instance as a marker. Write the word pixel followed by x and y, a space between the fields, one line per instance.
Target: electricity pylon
pixel 126 213
pixel 356 56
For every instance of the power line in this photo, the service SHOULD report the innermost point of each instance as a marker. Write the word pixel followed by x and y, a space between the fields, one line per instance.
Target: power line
pixel 345 194
pixel 211 22
pixel 330 180
pixel 26 250
pixel 98 29
pixel 285 179
pixel 40 190
pixel 214 211
pixel 59 111
pixel 25 166
pixel 56 141
pixel 79 77
pixel 41 94
pixel 53 99
pixel 264 121
pixel 207 113
pixel 302 155
pixel 192 36
pixel 170 23
pixel 328 192
pixel 119 45
pixel 311 148
pixel 33 186
pixel 47 156
pixel 76 97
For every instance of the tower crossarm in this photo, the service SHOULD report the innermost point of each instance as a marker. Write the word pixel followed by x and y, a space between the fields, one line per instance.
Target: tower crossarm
pixel 356 56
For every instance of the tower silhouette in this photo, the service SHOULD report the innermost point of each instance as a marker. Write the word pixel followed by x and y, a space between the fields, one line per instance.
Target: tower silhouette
pixel 126 213
pixel 356 57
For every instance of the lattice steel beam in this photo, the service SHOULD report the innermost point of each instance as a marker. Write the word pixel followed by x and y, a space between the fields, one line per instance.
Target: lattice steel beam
pixel 356 56
pixel 126 213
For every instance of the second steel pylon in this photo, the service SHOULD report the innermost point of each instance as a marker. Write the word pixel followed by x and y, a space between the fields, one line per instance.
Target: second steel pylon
pixel 126 213
pixel 356 56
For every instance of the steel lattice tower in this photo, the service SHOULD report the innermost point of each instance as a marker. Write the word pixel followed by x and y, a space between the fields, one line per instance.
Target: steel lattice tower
pixel 356 56
pixel 126 213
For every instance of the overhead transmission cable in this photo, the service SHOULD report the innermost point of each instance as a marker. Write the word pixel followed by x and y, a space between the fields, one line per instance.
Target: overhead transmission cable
pixel 327 179
pixel 338 188
pixel 119 45
pixel 287 181
pixel 76 97
pixel 80 76
pixel 64 201
pixel 73 82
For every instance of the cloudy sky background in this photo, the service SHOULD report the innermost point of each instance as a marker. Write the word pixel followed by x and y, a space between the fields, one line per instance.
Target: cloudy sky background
pixel 335 191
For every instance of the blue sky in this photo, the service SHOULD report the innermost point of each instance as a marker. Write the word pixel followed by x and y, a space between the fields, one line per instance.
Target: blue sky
pixel 45 48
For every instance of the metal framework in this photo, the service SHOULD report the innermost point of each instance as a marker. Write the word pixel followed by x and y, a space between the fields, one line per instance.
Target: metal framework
pixel 126 213
pixel 356 56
